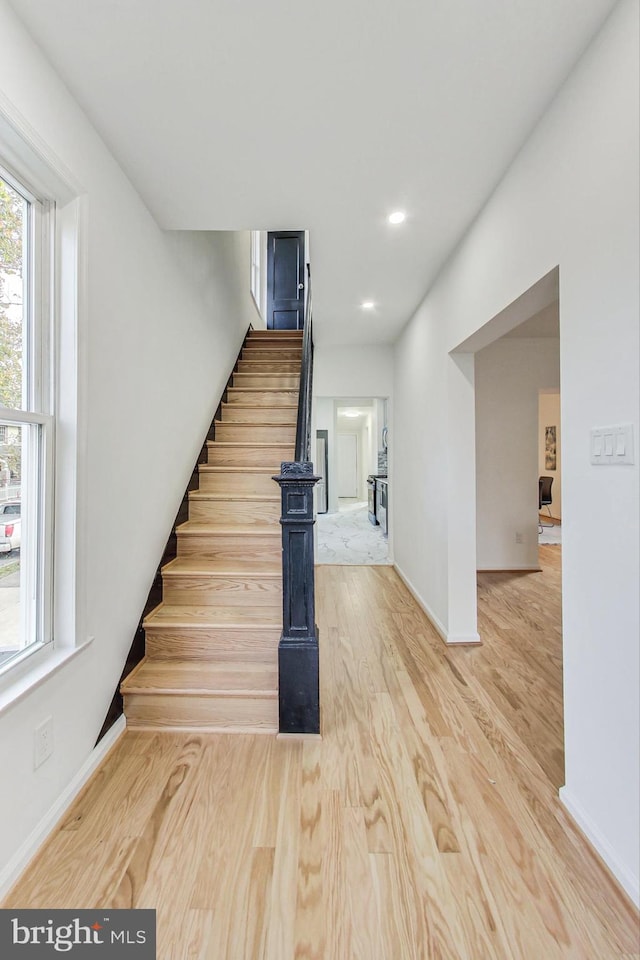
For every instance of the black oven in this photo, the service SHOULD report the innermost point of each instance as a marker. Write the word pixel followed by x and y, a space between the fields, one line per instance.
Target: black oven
pixel 382 491
pixel 371 495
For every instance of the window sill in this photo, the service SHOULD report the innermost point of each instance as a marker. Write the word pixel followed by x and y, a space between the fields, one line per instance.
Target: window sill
pixel 33 670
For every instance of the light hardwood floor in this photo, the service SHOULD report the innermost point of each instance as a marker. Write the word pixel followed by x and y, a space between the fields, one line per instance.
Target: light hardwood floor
pixel 425 824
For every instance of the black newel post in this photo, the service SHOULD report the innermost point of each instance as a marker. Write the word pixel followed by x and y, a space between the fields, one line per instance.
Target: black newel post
pixel 298 649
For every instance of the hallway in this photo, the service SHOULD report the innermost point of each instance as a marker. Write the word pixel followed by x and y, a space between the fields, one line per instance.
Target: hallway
pixel 425 824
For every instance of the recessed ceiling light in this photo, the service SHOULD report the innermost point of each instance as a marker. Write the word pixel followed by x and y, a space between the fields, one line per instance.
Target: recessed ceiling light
pixel 398 217
pixel 351 413
pixel 367 305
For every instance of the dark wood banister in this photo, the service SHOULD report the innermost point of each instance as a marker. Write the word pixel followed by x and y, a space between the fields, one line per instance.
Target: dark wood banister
pixel 303 428
pixel 298 669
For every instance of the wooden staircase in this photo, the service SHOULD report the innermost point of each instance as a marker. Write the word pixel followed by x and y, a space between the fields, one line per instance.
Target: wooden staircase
pixel 211 646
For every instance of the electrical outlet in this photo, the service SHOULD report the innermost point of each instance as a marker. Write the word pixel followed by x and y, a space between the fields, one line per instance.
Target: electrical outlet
pixel 518 537
pixel 43 742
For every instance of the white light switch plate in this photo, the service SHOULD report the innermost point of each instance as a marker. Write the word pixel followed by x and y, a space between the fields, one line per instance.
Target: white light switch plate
pixel 611 445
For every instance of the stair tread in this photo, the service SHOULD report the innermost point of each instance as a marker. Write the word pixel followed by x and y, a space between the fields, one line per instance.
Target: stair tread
pixel 246 443
pixel 243 530
pixel 263 406
pixel 251 424
pixel 205 677
pixel 175 614
pixel 243 497
pixel 212 468
pixel 188 566
pixel 289 394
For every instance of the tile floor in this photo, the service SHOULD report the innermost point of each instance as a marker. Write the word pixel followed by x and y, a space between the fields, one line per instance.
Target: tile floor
pixel 348 537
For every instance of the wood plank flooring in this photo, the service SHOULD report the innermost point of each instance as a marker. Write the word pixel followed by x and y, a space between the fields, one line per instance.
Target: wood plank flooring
pixel 425 824
pixel 520 662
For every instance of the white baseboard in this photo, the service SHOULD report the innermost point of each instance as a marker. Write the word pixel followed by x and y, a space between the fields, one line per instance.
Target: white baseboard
pixel 463 638
pixel 449 638
pixel 627 880
pixel 23 856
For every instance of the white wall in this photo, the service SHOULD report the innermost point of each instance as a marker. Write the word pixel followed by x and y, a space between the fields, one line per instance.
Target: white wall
pixel 570 198
pixel 363 371
pixel 161 320
pixel 508 375
pixel 549 416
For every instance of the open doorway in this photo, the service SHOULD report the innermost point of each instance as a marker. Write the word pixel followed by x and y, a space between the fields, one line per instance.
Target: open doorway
pixel 518 514
pixel 352 517
pixel 549 468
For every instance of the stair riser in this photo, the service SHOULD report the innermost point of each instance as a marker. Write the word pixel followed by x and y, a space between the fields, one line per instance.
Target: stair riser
pixel 220 456
pixel 282 381
pixel 234 413
pixel 160 711
pixel 247 433
pixel 235 512
pixel 228 547
pixel 213 644
pixel 277 351
pixel 272 398
pixel 264 357
pixel 203 591
pixel 237 483
pixel 269 366
pixel 276 336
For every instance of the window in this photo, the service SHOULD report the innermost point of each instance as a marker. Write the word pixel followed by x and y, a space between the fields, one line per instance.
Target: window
pixel 26 424
pixel 256 268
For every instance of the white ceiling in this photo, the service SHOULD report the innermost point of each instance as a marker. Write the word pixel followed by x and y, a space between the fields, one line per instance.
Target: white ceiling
pixel 362 410
pixel 320 114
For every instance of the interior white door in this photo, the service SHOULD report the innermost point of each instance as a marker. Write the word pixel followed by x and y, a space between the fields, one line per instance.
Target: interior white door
pixel 347 465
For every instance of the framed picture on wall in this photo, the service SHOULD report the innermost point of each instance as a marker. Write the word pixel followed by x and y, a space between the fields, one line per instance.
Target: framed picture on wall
pixel 550 448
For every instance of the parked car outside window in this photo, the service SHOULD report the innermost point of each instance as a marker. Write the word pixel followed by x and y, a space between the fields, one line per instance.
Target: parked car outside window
pixel 10 526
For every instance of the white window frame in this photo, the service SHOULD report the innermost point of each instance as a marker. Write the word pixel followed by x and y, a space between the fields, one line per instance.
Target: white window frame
pixel 24 154
pixel 258 278
pixel 36 599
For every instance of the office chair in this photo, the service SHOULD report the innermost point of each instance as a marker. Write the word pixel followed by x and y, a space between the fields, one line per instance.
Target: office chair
pixel 544 499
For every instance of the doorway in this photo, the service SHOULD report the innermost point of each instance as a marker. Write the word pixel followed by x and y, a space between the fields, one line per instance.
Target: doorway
pixel 355 431
pixel 348 466
pixel 550 467
pixel 285 279
pixel 322 470
pixel 517 433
